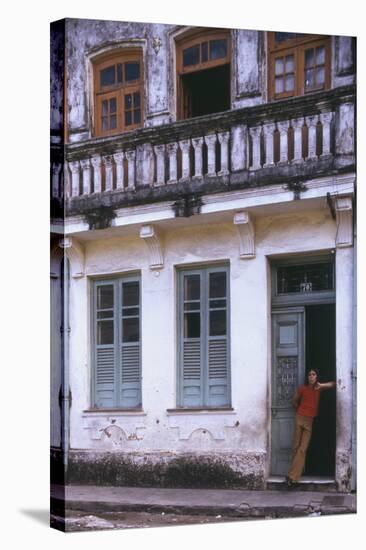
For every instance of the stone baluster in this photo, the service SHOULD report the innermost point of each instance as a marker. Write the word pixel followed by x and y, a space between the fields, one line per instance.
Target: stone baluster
pixel 255 133
pixel 198 165
pixel 66 191
pixel 160 164
pixel 75 178
pixel 224 145
pixel 311 122
pixel 210 141
pixel 326 119
pixel 146 164
pixel 297 125
pixel 268 130
pixel 56 169
pixel 97 167
pixel 118 159
pixel 108 163
pixel 172 150
pixel 85 166
pixel 239 140
pixel 283 129
pixel 184 146
pixel 131 159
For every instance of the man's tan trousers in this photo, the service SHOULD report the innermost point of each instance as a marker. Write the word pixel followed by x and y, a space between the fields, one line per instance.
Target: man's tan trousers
pixel 303 428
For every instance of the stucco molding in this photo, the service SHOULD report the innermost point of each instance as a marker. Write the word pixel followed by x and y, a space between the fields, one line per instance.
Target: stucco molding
pixel 74 252
pixel 153 240
pixel 207 427
pixel 117 431
pixel 344 220
pixel 246 232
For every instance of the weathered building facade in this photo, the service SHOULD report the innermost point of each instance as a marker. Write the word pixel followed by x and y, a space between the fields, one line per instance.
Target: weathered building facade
pixel 203 247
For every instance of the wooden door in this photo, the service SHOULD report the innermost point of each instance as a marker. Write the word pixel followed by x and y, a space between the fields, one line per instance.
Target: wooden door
pixel 288 360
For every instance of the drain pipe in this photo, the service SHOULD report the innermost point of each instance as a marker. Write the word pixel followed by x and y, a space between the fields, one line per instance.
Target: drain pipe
pixel 65 389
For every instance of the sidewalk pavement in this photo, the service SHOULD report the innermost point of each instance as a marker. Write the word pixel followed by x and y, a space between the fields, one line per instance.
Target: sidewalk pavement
pixel 225 502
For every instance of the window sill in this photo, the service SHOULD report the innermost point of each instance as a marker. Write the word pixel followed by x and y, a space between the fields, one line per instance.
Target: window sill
pixel 114 412
pixel 202 410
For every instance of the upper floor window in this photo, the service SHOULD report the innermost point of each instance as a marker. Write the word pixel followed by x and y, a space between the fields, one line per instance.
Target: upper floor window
pixel 118 93
pixel 203 74
pixel 298 64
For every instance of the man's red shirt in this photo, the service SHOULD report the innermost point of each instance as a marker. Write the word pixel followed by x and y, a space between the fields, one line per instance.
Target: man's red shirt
pixel 309 401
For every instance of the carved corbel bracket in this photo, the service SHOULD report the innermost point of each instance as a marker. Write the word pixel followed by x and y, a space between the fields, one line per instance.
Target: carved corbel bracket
pixel 153 241
pixel 75 254
pixel 344 220
pixel 245 226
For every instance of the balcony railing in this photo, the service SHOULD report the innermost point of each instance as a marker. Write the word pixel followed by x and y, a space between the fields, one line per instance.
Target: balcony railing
pixel 270 136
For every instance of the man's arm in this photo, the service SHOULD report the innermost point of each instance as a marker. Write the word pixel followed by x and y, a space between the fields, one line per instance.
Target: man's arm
pixel 295 400
pixel 325 385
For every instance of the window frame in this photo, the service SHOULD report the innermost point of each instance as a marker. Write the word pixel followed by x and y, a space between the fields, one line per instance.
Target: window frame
pixel 117 282
pixel 204 272
pixel 117 90
pixel 187 41
pixel 297 47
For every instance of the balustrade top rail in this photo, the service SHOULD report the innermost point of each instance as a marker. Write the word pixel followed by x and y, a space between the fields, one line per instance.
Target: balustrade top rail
pixel 285 133
pixel 277 110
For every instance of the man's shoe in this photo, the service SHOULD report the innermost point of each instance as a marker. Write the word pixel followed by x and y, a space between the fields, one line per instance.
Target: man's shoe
pixel 289 481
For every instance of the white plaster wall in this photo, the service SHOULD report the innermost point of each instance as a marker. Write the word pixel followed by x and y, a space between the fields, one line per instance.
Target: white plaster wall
pixel 55 378
pixel 344 351
pixel 79 372
pixel 246 428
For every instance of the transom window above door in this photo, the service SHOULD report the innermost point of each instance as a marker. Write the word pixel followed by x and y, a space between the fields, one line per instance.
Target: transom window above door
pixel 118 97
pixel 298 64
pixel 204 54
pixel 303 280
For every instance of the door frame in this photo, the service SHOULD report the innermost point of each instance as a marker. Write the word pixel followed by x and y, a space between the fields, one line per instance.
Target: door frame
pixel 287 303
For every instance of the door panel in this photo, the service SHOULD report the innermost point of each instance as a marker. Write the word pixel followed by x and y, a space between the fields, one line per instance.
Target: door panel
pixel 288 336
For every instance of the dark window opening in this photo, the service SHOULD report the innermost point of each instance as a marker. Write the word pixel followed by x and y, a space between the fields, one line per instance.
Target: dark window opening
pixel 206 92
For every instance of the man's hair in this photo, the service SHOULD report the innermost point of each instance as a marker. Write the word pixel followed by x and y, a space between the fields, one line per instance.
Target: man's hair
pixel 311 370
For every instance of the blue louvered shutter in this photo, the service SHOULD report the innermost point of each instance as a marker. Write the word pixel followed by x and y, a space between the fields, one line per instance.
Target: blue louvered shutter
pixel 130 348
pixel 190 340
pixel 105 348
pixel 217 339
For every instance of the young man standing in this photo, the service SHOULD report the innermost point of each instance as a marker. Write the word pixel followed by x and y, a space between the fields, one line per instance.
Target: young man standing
pixel 306 403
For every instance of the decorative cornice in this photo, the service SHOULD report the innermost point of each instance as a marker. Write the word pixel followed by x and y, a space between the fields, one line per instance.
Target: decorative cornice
pixel 153 241
pixel 344 220
pixel 245 227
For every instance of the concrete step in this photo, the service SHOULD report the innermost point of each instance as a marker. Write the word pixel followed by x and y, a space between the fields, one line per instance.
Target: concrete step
pixel 306 483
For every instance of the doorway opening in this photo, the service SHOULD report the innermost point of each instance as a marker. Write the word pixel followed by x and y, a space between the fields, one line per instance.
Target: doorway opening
pixel 303 337
pixel 320 353
pixel 206 92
